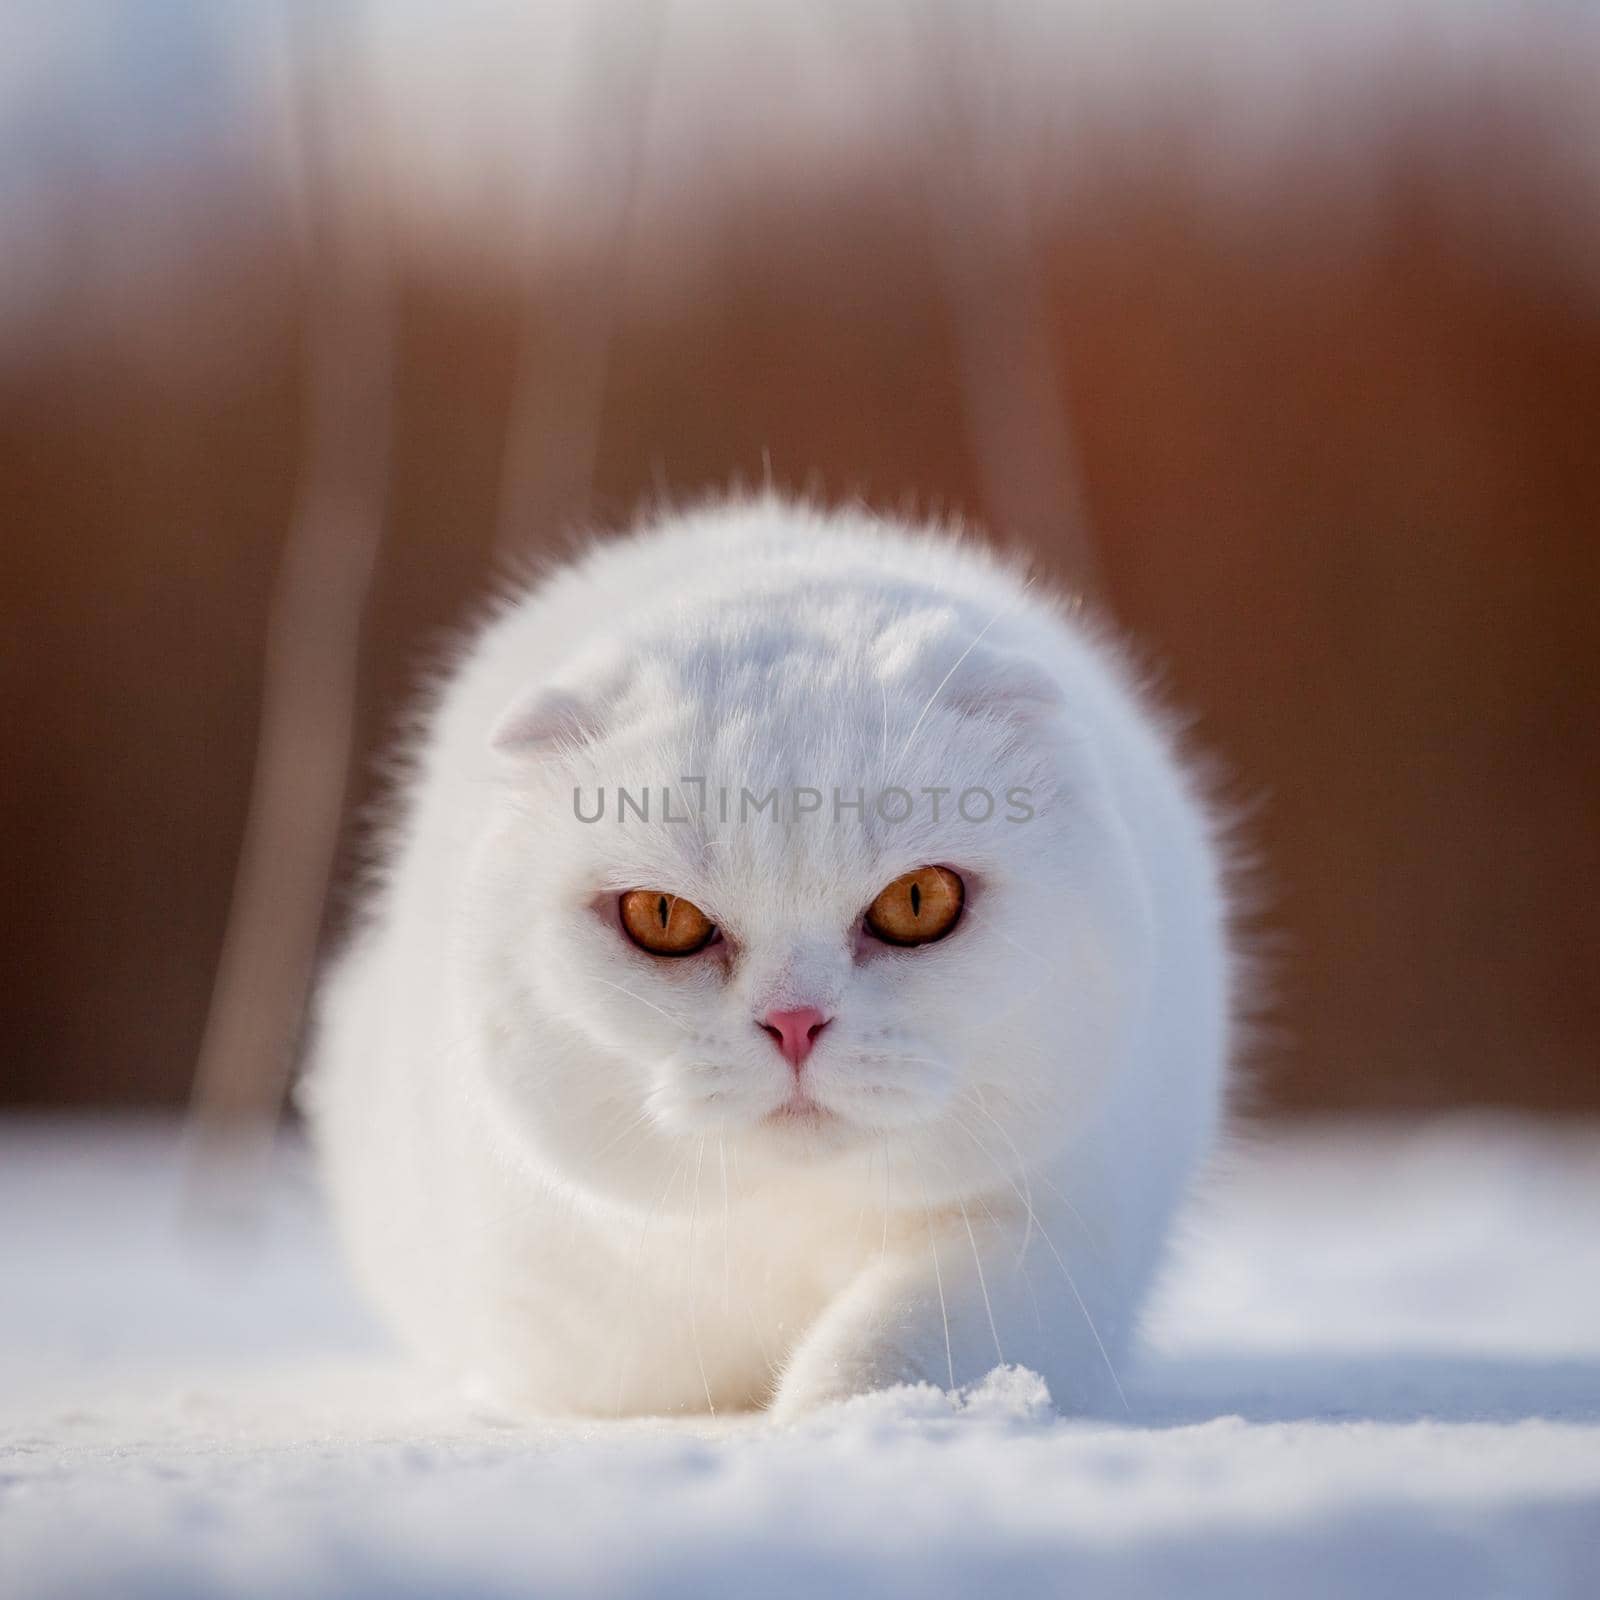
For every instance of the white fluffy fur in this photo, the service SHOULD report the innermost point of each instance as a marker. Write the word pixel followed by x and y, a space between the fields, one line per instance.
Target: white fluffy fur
pixel 551 1153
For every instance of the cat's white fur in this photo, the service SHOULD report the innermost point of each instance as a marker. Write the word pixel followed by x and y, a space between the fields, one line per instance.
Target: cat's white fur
pixel 553 1155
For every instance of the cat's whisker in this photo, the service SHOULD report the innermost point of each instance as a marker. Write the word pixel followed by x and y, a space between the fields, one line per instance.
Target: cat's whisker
pixel 637 1137
pixel 642 1119
pixel 1089 1234
pixel 1021 1262
pixel 727 1227
pixel 1072 1283
pixel 883 1247
pixel 938 1280
pixel 623 989
pixel 694 1320
pixel 866 1200
pixel 1025 1195
pixel 1022 1166
pixel 1077 1216
pixel 983 1287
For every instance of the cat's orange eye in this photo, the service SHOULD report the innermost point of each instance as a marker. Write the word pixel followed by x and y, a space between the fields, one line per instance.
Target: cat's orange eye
pixel 665 924
pixel 922 906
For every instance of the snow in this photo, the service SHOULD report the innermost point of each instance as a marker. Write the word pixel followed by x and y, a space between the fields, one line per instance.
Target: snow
pixel 1375 1369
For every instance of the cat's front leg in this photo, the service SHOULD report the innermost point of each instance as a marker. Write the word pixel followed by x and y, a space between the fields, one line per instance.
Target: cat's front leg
pixel 947 1304
pixel 946 1314
pixel 882 1331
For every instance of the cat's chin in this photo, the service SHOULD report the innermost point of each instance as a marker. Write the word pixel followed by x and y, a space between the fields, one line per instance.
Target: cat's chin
pixel 800 1112
pixel 802 1124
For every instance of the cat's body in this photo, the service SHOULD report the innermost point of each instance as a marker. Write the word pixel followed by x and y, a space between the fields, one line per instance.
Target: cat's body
pixel 602 1179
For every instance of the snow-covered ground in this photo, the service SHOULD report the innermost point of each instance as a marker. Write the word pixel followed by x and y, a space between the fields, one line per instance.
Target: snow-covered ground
pixel 1375 1370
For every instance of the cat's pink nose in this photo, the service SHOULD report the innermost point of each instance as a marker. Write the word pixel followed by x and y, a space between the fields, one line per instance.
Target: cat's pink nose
pixel 794 1032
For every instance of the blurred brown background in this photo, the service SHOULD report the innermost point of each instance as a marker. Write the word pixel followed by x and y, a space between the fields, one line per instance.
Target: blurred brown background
pixel 1337 439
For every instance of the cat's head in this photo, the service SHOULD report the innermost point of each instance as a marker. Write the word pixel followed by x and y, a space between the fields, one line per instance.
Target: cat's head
pixel 803 885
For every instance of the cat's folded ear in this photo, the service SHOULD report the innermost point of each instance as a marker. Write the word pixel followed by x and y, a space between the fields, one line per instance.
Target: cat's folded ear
pixel 561 716
pixel 543 720
pixel 1001 683
pixel 933 651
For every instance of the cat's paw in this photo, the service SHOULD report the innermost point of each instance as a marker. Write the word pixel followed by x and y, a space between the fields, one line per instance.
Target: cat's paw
pixel 825 1370
pixel 807 1390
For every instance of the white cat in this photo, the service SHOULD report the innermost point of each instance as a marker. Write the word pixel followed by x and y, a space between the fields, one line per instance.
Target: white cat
pixel 879 1047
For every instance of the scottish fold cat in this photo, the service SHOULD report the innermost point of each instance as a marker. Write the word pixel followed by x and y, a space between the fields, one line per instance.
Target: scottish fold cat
pixel 799 964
